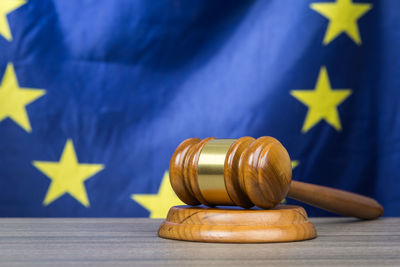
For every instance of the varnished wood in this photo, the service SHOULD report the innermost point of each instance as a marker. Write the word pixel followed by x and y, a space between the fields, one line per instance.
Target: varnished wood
pixel 231 172
pixel 258 172
pixel 335 200
pixel 176 171
pixel 281 224
pixel 267 172
pixel 193 171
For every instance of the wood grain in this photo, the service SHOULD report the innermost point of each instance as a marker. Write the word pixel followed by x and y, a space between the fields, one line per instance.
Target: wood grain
pixel 267 172
pixel 258 172
pixel 284 223
pixel 335 200
pixel 134 242
pixel 193 171
pixel 177 170
pixel 234 156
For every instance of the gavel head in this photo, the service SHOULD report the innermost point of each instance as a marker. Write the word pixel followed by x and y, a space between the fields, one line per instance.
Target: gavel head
pixel 231 172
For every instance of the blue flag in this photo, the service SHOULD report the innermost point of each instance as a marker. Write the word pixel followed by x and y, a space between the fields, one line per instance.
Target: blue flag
pixel 95 96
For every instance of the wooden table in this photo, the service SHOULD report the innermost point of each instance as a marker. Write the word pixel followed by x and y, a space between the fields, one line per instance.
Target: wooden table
pixel 134 242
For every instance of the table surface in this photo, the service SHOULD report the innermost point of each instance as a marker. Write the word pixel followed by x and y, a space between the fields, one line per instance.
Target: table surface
pixel 134 242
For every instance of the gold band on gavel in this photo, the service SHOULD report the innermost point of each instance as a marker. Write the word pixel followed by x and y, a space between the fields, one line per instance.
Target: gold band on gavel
pixel 211 171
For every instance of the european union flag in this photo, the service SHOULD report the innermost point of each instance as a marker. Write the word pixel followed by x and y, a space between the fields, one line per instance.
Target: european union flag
pixel 95 95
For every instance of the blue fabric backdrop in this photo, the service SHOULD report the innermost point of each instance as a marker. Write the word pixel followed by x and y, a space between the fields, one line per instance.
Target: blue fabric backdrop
pixel 119 84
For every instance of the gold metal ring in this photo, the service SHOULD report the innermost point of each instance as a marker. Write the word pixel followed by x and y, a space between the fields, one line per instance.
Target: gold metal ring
pixel 211 171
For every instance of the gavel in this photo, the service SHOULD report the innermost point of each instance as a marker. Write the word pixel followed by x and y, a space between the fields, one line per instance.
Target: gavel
pixel 249 172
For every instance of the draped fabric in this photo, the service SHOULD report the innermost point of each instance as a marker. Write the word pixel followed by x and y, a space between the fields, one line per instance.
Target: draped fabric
pixel 96 95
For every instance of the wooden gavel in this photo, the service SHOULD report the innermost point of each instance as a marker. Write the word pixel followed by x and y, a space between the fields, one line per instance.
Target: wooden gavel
pixel 246 172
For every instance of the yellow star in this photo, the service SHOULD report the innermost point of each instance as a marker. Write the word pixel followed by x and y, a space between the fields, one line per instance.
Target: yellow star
pixel 67 176
pixel 295 163
pixel 13 99
pixel 343 16
pixel 6 7
pixel 159 204
pixel 322 102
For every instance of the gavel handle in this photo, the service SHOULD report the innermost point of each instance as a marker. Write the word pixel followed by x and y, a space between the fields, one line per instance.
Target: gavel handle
pixel 335 200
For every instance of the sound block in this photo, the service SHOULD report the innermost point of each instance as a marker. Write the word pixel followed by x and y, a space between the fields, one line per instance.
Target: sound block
pixel 233 225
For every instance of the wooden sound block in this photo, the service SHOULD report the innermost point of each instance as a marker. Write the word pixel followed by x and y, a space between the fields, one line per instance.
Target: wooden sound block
pixel 234 225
